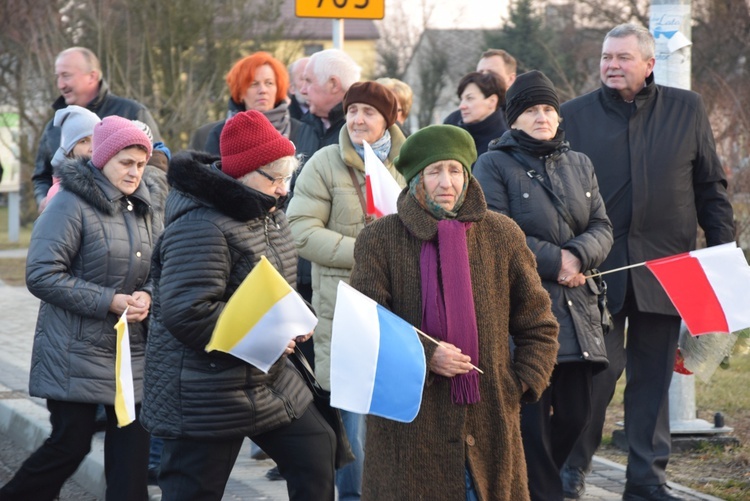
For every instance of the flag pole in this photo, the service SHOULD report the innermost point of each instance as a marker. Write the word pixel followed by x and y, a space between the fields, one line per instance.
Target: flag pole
pixel 616 269
pixel 438 343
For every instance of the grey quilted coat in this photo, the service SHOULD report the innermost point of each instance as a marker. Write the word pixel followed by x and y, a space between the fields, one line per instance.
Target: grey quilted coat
pixel 90 243
pixel 216 231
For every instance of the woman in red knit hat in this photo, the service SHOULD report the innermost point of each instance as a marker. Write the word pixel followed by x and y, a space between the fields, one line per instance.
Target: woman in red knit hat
pixel 221 217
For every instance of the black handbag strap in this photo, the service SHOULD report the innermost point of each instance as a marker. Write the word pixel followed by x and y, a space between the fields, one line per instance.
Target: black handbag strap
pixel 533 174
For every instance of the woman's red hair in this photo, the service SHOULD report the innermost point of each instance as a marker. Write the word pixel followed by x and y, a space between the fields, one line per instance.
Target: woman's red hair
pixel 242 74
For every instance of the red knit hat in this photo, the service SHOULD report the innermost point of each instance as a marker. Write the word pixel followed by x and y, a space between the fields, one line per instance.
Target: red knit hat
pixel 248 142
pixel 114 134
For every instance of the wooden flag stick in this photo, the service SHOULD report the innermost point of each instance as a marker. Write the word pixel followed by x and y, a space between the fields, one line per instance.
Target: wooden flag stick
pixel 616 269
pixel 438 343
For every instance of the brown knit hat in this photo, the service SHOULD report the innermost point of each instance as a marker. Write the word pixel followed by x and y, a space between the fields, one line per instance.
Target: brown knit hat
pixel 248 142
pixel 376 95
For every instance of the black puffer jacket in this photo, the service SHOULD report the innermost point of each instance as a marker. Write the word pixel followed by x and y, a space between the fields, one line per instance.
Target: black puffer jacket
pixel 216 231
pixel 510 191
pixel 90 243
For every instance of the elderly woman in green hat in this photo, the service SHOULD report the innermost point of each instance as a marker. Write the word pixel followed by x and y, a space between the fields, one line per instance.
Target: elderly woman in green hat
pixel 465 276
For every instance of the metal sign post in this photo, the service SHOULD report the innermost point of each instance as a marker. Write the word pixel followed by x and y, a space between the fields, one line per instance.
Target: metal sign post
pixel 338 10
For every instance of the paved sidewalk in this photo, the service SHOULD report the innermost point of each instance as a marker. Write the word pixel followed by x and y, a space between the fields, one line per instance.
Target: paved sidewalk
pixel 26 420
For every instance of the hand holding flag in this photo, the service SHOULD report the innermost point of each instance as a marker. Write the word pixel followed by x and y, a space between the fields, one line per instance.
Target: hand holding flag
pixel 261 317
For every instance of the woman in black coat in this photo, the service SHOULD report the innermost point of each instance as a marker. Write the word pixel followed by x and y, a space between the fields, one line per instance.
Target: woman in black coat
pixel 221 217
pixel 481 98
pixel 531 175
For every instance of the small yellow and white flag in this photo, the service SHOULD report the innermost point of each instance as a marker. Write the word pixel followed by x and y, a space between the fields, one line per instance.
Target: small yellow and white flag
pixel 261 317
pixel 124 393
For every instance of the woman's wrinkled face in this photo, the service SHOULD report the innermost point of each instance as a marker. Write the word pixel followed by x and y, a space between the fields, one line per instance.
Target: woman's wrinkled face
pixel 364 123
pixel 474 107
pixel 261 94
pixel 443 182
pixel 539 121
pixel 125 169
pixel 272 182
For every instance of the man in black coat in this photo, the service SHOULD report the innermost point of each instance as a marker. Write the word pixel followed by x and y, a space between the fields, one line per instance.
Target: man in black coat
pixel 655 158
pixel 78 76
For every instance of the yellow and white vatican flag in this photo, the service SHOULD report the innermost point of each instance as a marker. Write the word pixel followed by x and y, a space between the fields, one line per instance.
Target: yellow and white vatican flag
pixel 261 317
pixel 124 392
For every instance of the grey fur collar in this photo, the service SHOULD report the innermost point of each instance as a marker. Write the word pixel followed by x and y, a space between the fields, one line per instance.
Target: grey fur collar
pixel 88 182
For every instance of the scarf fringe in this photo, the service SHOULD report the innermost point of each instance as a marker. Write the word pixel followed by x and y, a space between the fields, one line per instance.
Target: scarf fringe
pixel 465 389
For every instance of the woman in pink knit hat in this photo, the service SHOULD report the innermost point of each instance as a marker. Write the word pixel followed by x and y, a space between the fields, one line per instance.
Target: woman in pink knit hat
pixel 88 262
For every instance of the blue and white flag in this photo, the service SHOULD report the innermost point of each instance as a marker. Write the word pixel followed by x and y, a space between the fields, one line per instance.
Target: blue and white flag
pixel 377 361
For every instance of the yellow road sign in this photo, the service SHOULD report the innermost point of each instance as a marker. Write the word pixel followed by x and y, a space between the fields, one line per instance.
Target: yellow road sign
pixel 341 9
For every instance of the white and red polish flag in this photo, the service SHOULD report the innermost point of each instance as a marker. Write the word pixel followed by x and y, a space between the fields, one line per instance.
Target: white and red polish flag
pixel 382 189
pixel 709 287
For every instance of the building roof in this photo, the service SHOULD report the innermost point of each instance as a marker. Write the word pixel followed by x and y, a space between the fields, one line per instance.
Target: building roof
pixel 309 28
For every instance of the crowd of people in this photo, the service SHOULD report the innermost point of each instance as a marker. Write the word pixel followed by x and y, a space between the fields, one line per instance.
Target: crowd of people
pixel 505 210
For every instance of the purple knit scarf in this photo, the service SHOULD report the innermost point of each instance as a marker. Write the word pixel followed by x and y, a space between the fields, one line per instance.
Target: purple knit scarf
pixel 448 311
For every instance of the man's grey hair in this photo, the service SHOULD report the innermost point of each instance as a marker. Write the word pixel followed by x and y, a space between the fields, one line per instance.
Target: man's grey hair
pixel 335 63
pixel 92 62
pixel 296 63
pixel 645 39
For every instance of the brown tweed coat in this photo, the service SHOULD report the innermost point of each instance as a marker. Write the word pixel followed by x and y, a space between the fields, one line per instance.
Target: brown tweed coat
pixel 425 459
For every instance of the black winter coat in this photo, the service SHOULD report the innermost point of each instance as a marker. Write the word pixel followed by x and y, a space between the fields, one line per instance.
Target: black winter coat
pixel 659 175
pixel 216 230
pixel 90 243
pixel 510 191
pixel 485 131
pixel 104 104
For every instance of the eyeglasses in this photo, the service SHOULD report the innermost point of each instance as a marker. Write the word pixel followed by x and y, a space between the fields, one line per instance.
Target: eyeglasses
pixel 276 181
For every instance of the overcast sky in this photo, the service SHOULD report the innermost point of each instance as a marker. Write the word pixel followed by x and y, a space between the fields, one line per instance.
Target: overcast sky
pixel 453 13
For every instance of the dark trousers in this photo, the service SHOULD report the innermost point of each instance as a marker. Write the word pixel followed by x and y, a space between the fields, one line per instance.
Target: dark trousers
pixel 198 470
pixel 551 426
pixel 43 474
pixel 649 357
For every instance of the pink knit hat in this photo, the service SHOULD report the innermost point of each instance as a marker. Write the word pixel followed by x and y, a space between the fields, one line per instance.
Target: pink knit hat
pixel 248 142
pixel 114 134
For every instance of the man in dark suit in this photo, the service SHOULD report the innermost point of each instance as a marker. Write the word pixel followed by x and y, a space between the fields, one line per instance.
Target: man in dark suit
pixel 658 171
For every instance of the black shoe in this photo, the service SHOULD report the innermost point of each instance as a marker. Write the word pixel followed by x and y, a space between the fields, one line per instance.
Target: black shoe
pixel 649 493
pixel 273 474
pixel 573 482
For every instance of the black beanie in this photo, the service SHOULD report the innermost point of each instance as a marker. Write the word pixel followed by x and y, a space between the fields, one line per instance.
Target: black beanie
pixel 529 89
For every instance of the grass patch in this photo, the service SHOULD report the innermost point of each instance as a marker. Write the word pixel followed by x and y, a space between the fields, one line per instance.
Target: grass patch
pixel 13 271
pixel 24 234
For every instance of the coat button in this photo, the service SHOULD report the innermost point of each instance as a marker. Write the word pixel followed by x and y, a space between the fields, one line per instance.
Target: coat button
pixel 138 254
pixel 130 207
pixel 212 365
pixel 570 303
pixel 525 195
pixel 470 440
pixel 586 354
pixel 588 194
